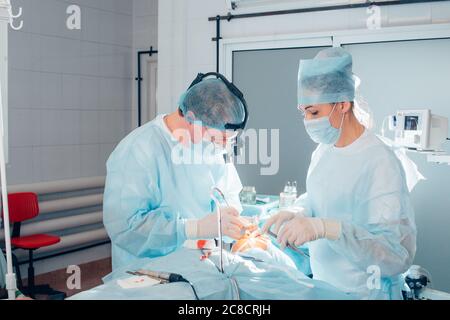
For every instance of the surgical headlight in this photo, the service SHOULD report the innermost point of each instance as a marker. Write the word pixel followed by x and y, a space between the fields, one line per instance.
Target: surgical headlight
pixel 234 90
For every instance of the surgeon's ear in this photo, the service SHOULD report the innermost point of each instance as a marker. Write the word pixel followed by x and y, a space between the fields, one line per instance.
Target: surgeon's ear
pixel 190 117
pixel 345 107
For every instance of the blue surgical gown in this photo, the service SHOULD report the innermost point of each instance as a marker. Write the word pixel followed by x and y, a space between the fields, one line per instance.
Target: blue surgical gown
pixel 363 186
pixel 148 197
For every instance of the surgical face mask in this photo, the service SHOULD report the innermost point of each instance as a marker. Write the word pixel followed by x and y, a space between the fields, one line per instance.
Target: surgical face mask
pixel 218 149
pixel 321 130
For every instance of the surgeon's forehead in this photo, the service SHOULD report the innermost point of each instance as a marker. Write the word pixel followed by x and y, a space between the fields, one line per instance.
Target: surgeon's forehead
pixel 305 107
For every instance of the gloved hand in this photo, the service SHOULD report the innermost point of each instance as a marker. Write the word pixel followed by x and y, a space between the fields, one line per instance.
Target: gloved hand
pixel 301 230
pixel 280 218
pixel 233 225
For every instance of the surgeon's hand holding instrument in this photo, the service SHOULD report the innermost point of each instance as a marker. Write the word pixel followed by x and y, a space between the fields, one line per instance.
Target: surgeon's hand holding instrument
pixel 237 224
pixel 270 233
pixel 301 230
pixel 206 227
pixel 293 229
pixel 280 218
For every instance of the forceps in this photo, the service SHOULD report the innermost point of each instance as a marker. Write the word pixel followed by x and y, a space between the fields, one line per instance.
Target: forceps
pixel 290 245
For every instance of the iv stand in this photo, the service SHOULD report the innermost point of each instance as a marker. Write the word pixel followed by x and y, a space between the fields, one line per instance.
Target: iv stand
pixel 11 285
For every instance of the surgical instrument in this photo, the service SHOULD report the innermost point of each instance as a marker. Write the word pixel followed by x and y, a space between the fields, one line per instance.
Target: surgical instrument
pixel 165 277
pixel 136 273
pixel 290 245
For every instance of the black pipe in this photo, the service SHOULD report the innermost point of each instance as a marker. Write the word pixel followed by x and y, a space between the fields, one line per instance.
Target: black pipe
pixel 231 16
pixel 65 252
pixel 139 79
pixel 218 38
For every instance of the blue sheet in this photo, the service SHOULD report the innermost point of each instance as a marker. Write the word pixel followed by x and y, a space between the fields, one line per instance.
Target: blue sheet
pixel 266 279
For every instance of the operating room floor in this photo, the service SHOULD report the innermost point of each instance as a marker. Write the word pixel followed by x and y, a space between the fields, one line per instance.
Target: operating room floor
pixel 91 277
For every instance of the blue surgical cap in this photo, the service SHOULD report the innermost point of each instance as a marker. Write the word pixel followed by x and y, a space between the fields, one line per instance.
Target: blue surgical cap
pixel 328 78
pixel 213 104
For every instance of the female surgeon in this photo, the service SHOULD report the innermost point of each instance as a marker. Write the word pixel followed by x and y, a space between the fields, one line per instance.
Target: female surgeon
pixel 356 216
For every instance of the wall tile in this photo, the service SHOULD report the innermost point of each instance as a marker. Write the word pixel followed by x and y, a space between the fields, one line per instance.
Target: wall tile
pixel 19 53
pixel 50 127
pixel 20 167
pixel 51 89
pixel 89 127
pixel 89 59
pixel 60 162
pixel 71 91
pixel 51 54
pixel 89 92
pixel 90 160
pixel 25 127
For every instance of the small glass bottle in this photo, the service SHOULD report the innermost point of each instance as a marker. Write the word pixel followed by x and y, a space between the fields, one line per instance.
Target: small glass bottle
pixel 248 195
pixel 294 189
pixel 288 196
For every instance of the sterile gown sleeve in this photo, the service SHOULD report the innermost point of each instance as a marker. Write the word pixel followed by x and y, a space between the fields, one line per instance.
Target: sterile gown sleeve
pixel 382 232
pixel 133 217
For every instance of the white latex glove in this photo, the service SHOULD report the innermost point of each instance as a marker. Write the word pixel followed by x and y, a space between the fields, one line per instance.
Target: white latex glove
pixel 301 230
pixel 233 225
pixel 280 218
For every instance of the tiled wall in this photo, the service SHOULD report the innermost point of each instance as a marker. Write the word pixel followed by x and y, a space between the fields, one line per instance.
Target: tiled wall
pixel 70 92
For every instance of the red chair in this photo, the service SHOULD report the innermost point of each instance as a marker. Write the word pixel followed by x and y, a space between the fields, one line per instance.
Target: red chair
pixel 23 207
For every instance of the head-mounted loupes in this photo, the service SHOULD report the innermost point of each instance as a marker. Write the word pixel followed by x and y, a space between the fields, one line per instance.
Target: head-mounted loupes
pixel 228 126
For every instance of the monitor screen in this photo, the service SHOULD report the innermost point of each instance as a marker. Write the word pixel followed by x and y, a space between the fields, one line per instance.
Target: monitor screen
pixel 411 123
